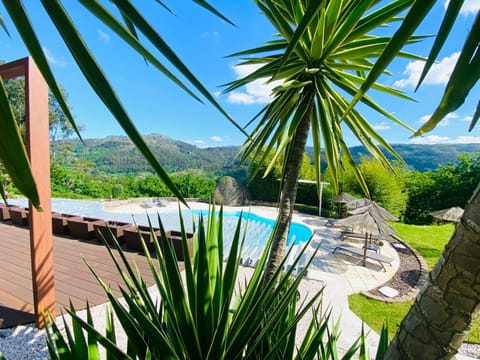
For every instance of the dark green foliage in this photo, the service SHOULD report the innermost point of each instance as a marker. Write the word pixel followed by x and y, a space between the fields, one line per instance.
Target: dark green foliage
pixel 266 188
pixel 386 188
pixel 117 155
pixel 449 185
pixel 83 181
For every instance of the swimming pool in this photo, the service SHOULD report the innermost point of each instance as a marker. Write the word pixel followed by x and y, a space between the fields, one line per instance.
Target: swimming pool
pixel 258 227
pixel 261 226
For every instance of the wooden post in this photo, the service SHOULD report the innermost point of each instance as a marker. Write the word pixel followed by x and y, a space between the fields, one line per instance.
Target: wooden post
pixel 38 148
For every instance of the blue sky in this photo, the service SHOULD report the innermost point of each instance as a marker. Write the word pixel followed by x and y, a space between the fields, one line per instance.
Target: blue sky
pixel 203 41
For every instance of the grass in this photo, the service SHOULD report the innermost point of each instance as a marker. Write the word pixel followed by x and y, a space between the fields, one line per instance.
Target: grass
pixel 429 241
pixel 374 312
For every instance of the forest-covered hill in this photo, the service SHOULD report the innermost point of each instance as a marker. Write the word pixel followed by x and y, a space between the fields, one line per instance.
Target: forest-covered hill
pixel 116 154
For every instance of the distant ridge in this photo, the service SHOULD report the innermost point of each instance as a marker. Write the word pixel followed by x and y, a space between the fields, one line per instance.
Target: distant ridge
pixel 116 154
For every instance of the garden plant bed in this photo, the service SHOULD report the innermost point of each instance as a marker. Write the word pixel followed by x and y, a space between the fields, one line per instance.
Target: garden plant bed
pixel 60 223
pixel 4 212
pixel 409 278
pixel 82 227
pixel 19 216
pixel 175 238
pixel 105 229
pixel 132 238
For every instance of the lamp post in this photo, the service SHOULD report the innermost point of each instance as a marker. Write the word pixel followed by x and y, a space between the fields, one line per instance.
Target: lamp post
pixel 320 197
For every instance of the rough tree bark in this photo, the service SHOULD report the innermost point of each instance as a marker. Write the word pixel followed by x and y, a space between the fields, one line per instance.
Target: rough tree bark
pixel 442 313
pixel 288 196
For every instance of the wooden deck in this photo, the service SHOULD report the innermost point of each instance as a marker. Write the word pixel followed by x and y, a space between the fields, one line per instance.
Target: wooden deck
pixel 73 279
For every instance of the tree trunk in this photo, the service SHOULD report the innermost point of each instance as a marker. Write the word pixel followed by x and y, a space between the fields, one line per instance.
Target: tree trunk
pixel 288 196
pixel 440 318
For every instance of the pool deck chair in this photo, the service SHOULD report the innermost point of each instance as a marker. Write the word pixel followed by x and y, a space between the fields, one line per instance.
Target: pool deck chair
pixel 353 250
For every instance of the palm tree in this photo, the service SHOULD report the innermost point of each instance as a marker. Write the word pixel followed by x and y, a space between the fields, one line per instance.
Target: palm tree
pixel 320 58
pixel 440 318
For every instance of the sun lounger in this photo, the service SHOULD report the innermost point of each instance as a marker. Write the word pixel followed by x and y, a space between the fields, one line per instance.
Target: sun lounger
pixel 356 236
pixel 353 250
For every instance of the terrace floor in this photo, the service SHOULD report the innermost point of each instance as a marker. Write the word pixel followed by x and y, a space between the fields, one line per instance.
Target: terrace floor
pixel 73 279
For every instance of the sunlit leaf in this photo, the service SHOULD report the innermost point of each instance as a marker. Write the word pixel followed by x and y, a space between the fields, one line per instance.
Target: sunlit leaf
pixel 101 85
pixel 13 154
pixel 24 27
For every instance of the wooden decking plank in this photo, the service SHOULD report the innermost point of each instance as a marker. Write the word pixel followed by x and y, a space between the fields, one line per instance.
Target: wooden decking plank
pixel 73 279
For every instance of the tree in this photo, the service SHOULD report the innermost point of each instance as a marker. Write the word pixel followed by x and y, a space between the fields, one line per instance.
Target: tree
pixel 323 52
pixel 448 186
pixel 59 125
pixel 386 187
pixel 267 187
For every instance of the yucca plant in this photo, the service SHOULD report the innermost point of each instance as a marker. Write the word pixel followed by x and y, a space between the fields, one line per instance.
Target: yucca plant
pixel 204 313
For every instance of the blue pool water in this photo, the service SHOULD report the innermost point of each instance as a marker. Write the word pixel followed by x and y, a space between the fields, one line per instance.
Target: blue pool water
pixel 298 233
pixel 258 228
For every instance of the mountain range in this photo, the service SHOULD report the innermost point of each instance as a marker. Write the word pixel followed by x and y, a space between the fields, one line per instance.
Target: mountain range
pixel 116 154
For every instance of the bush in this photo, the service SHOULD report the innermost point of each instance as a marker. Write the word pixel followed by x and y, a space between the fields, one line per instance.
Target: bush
pixel 448 186
pixel 386 188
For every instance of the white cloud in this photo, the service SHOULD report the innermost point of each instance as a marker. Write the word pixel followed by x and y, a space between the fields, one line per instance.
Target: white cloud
pixel 217 94
pixel 197 143
pixel 439 73
pixel 435 139
pixel 103 36
pixel 217 138
pixel 381 126
pixel 469 7
pixel 256 92
pixel 430 139
pixel 444 122
pixel 468 140
pixel 236 97
pixel 53 60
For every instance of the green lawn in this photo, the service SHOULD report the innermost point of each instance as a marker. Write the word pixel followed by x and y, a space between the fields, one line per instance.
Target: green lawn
pixel 429 241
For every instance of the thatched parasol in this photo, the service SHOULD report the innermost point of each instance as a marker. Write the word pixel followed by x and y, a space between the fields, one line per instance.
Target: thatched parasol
pixel 375 210
pixel 343 198
pixel 368 224
pixel 357 203
pixel 453 214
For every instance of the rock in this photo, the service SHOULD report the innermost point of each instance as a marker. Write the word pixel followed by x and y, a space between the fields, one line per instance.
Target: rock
pixel 230 192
